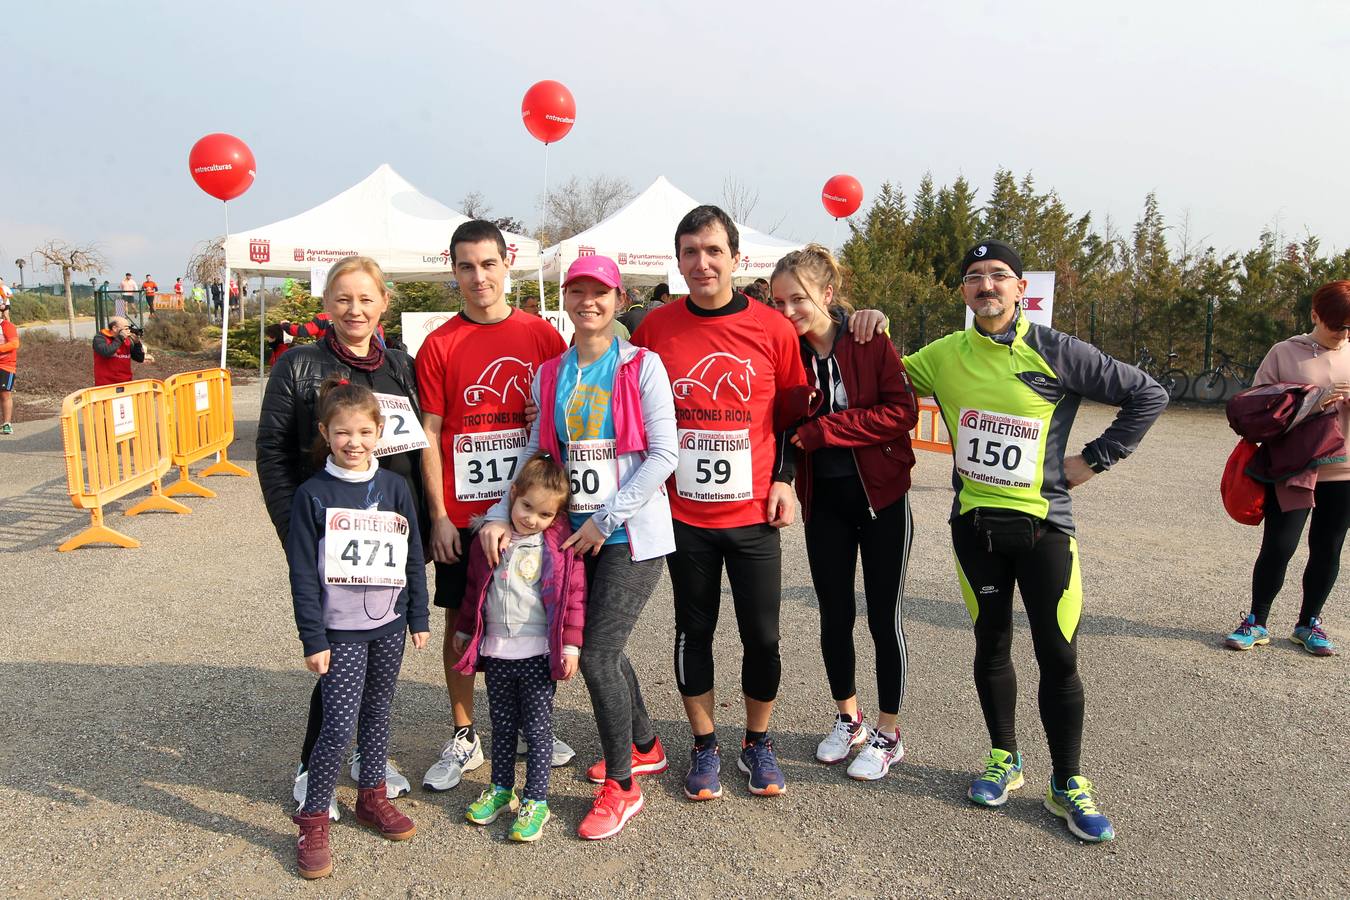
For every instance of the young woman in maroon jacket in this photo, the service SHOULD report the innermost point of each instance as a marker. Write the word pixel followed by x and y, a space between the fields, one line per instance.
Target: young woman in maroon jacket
pixel 854 458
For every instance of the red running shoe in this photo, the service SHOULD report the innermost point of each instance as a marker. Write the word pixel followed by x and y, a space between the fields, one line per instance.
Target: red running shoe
pixel 649 763
pixel 612 809
pixel 374 809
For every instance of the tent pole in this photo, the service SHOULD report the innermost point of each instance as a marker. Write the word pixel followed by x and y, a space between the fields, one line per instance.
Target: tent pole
pixel 543 214
pixel 225 287
pixel 262 324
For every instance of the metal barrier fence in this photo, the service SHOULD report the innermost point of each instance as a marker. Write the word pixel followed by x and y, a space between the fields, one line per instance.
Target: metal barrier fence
pixel 201 408
pixel 116 441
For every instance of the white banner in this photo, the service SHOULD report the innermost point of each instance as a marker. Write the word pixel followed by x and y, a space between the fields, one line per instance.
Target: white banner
pixel 1039 301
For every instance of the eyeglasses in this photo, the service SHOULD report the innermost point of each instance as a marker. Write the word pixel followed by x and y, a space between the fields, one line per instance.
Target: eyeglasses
pixel 999 277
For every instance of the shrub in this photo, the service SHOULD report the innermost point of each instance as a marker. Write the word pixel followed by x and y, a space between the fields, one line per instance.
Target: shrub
pixel 175 330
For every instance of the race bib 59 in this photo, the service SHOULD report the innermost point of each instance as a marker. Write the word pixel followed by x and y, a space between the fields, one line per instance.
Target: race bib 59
pixel 714 466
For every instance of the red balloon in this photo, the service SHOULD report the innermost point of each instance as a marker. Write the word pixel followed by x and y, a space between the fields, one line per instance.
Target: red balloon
pixel 549 111
pixel 222 165
pixel 842 195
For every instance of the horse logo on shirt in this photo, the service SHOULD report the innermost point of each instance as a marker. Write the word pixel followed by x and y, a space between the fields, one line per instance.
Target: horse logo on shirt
pixel 712 372
pixel 502 377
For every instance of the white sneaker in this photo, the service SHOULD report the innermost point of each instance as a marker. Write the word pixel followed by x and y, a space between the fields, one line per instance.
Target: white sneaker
pixel 457 757
pixel 847 734
pixel 876 758
pixel 301 788
pixel 395 785
pixel 562 754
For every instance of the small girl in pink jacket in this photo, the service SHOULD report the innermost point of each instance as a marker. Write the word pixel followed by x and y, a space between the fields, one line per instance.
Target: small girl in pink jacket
pixel 521 623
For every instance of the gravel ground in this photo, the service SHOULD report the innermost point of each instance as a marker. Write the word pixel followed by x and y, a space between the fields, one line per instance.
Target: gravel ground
pixel 157 699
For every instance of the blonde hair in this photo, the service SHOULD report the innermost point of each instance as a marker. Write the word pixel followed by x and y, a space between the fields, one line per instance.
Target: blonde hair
pixel 349 264
pixel 814 267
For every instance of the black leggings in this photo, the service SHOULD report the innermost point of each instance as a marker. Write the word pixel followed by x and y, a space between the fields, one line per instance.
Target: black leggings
pixel 1326 538
pixel 754 568
pixel 1047 575
pixel 842 525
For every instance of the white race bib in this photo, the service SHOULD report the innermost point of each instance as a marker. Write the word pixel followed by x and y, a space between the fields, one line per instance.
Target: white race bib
pixel 997 448
pixel 365 547
pixel 402 431
pixel 486 462
pixel 593 469
pixel 714 466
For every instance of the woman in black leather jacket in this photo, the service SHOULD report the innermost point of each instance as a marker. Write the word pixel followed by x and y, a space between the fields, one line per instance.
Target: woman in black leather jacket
pixel 355 297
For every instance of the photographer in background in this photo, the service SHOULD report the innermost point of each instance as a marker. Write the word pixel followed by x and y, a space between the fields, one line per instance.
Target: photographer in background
pixel 115 348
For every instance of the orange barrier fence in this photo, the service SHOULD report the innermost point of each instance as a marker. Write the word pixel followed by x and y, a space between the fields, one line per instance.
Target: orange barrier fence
pixel 930 424
pixel 116 441
pixel 168 301
pixel 201 408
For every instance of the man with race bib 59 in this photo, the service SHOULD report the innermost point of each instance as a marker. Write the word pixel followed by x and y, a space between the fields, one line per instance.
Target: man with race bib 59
pixel 474 373
pixel 1009 392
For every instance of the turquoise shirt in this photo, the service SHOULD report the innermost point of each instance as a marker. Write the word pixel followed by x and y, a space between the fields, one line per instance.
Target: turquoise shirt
pixel 583 413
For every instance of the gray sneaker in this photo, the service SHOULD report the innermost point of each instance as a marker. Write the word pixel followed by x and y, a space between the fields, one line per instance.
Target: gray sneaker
pixel 460 755
pixel 562 754
pixel 301 788
pixel 395 785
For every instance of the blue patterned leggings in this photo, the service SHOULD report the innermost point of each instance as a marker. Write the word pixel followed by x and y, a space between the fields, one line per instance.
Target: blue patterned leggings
pixel 359 684
pixel 520 698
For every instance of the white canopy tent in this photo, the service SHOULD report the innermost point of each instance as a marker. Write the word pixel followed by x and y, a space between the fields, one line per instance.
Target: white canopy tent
pixel 383 217
pixel 641 238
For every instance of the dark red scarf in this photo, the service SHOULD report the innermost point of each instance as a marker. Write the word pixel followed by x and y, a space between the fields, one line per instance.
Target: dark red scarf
pixel 368 363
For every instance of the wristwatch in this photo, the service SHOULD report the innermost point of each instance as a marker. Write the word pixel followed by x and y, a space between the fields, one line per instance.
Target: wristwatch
pixel 1093 462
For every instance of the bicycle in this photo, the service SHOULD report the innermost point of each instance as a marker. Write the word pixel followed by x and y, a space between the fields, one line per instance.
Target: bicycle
pixel 1212 386
pixel 1174 381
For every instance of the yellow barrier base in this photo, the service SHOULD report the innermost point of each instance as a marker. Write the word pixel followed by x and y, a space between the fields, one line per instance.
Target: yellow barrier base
pixel 185 485
pixel 224 467
pixel 157 501
pixel 98 533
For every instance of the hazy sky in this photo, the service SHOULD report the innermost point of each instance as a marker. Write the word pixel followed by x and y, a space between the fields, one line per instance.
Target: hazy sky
pixel 1233 112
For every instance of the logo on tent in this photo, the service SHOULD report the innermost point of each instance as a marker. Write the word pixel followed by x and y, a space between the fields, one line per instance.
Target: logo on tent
pixel 299 254
pixel 259 251
pixel 585 251
pixel 511 251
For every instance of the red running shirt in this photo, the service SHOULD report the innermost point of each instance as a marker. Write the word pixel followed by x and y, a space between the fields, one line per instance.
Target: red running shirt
pixel 477 378
pixel 725 371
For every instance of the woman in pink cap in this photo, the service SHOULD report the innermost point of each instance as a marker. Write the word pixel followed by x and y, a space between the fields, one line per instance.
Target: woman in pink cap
pixel 606 412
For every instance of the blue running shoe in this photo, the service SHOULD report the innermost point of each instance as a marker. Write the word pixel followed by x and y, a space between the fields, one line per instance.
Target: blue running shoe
pixel 1248 634
pixel 702 782
pixel 759 762
pixel 1002 773
pixel 1076 806
pixel 1313 638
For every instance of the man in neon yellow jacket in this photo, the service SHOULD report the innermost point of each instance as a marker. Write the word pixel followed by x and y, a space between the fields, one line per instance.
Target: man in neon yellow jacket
pixel 1009 391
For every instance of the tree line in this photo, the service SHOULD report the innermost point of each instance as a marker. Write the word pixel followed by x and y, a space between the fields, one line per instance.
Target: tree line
pixel 1155 286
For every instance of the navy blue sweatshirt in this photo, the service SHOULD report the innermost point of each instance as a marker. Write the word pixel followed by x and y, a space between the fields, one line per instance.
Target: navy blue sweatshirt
pixel 365 607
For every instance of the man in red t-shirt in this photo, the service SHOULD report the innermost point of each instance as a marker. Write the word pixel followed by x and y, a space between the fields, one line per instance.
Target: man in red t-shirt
pixel 9 362
pixel 151 289
pixel 474 375
pixel 738 380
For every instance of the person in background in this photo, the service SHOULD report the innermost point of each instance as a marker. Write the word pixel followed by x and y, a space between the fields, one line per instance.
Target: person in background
pixel 9 362
pixel 199 296
pixel 217 299
pixel 1322 358
pixel 178 291
pixel 530 305
pixel 115 349
pixel 151 290
pixel 758 290
pixel 660 294
pixel 127 299
pixel 635 311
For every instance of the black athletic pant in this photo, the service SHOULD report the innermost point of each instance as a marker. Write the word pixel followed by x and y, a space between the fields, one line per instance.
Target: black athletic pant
pixel 754 568
pixel 1326 538
pixel 841 525
pixel 1047 576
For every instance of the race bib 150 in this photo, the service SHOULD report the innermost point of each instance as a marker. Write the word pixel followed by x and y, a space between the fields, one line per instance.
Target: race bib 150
pixel 997 448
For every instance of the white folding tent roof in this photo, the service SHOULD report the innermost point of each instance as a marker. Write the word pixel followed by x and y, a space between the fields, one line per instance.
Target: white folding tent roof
pixel 641 238
pixel 383 217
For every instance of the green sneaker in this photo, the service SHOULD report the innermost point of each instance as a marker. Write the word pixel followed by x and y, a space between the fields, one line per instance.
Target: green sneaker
pixel 530 821
pixel 490 803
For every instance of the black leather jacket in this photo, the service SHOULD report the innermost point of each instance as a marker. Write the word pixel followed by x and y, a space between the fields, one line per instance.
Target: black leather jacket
pixel 288 427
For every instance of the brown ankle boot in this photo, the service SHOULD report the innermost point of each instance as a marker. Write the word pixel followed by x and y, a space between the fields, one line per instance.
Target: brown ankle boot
pixel 312 855
pixel 374 809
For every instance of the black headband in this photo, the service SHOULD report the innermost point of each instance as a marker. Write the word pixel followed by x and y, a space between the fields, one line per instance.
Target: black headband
pixel 992 250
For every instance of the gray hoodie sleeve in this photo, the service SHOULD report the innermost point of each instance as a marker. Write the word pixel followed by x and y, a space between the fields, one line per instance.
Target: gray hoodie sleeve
pixel 1084 370
pixel 658 418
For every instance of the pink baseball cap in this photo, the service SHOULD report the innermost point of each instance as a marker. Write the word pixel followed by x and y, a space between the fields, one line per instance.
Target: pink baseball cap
pixel 601 268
